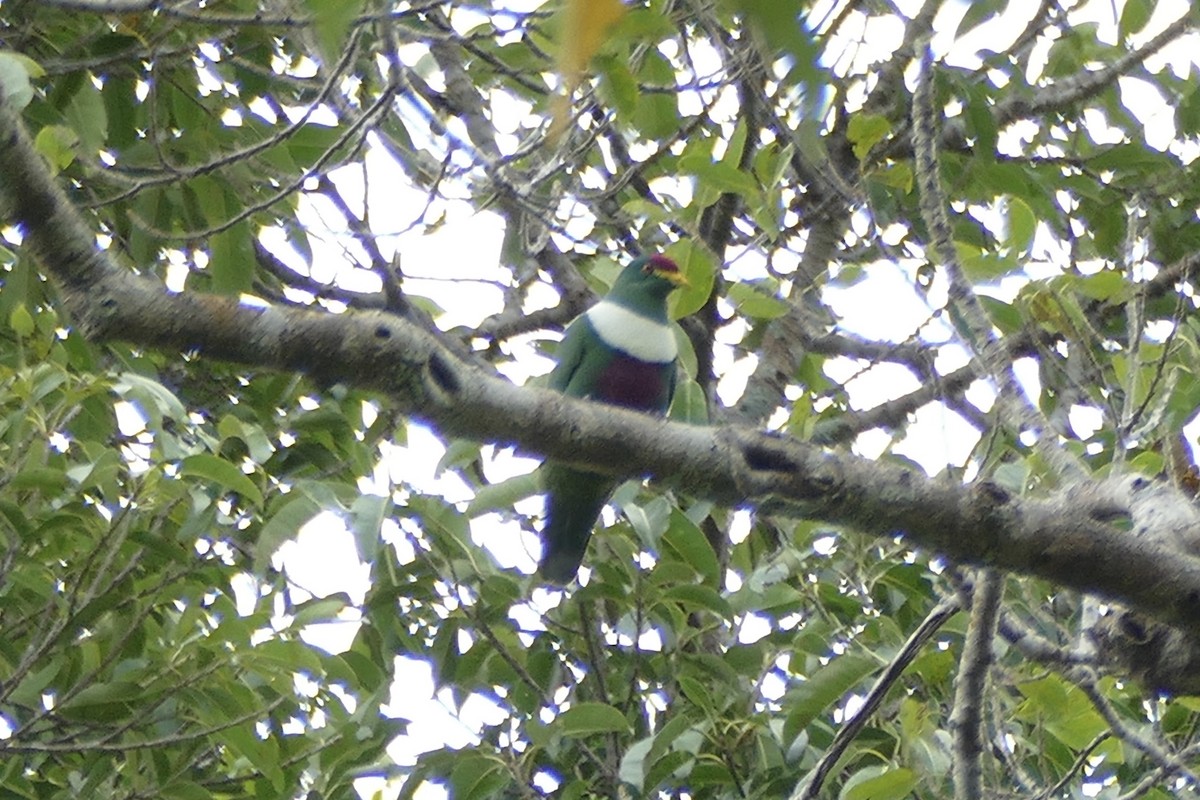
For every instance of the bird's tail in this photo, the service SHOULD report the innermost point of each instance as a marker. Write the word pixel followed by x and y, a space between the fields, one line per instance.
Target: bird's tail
pixel 574 500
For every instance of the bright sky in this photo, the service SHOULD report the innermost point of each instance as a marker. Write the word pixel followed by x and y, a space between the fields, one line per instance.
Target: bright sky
pixel 457 265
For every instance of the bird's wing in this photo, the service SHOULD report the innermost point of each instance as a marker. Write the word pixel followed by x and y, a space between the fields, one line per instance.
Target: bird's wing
pixel 569 355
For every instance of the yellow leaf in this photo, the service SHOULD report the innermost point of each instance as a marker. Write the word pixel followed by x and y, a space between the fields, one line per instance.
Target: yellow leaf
pixel 585 24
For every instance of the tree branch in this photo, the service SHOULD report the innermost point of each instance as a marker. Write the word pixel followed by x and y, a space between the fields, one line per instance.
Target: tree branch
pixel 966 720
pixel 811 786
pixel 1064 538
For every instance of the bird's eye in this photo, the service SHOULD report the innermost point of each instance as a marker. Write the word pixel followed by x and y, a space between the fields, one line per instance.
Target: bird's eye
pixel 647 268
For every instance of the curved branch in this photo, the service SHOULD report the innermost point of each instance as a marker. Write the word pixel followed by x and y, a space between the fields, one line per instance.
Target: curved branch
pixel 933 622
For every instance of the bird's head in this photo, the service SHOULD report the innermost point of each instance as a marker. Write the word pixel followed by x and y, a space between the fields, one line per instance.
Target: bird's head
pixel 648 276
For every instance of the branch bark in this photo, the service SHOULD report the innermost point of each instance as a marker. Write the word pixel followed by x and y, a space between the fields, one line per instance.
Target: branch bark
pixel 1064 538
pixel 966 720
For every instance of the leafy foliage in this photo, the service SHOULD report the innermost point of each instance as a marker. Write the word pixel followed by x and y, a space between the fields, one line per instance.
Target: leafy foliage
pixel 155 642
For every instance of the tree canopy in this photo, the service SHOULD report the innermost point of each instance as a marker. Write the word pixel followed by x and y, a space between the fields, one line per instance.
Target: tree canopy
pixel 231 311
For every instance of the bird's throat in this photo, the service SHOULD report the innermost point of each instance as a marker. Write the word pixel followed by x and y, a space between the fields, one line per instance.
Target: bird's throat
pixel 631 333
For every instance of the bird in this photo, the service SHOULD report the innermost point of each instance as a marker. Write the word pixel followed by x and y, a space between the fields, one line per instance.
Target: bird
pixel 620 351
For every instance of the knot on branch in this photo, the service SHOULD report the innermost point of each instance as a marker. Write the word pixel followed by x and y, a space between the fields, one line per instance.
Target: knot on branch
pixel 1163 657
pixel 1162 514
pixel 1160 657
pixel 94 313
pixel 764 456
pixel 992 495
pixel 774 465
pixel 441 378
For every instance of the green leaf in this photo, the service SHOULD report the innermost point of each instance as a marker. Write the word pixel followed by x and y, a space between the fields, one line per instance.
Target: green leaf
pixel 459 453
pixel 711 773
pixel 330 20
pixel 222 473
pixel 233 261
pixel 304 147
pixel 103 701
pixel 184 790
pixel 46 479
pixel 15 71
pixel 154 399
pixel 753 302
pixel 977 13
pixel 633 763
pixel 657 113
pixel 1106 222
pixel 697 693
pixel 704 597
pixel 648 519
pixel 319 609
pixel 122 109
pixel 583 719
pixel 1129 159
pixel 879 783
pixel 252 436
pixel 687 353
pixel 1013 476
pixel 366 523
pixel 1187 111
pixel 720 175
pixel 1022 224
pixel 824 688
pixel 1078 45
pixel 674 735
pixel 698 268
pixel 865 131
pixel 365 671
pixel 685 541
pixel 898 175
pixel 1065 710
pixel 1148 462
pixel 780 26
pixel 88 117
pixel 244 741
pixel 475 778
pixel 21 321
pixel 676 764
pixel 1134 17
pixel 59 145
pixel 618 84
pixel 1004 316
pixel 982 265
pixel 286 657
pixel 736 146
pixel 1104 285
pixel 690 405
pixel 282 527
pixel 503 495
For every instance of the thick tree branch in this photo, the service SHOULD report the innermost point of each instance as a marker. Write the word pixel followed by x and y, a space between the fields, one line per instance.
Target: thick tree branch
pixel 1064 538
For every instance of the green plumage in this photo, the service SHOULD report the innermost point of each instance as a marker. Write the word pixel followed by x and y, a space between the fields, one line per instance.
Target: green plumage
pixel 620 352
